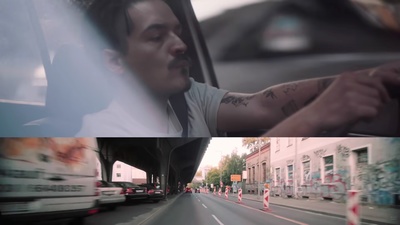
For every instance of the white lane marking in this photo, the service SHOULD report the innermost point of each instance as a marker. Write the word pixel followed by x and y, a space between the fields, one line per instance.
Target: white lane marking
pixel 198 200
pixel 204 206
pixel 220 223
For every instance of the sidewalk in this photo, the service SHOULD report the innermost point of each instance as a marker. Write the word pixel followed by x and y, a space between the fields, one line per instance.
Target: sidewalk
pixel 372 214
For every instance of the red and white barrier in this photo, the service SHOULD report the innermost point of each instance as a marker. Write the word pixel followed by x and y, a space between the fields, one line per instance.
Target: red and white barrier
pixel 266 200
pixel 226 193
pixel 353 207
pixel 215 191
pixel 240 195
pixel 220 192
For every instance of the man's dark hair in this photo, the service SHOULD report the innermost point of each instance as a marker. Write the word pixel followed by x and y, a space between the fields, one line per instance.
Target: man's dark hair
pixel 110 21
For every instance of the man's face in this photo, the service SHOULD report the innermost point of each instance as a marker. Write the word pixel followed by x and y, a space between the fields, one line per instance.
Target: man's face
pixel 155 48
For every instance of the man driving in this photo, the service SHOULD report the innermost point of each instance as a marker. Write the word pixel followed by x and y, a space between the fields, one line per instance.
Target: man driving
pixel 146 57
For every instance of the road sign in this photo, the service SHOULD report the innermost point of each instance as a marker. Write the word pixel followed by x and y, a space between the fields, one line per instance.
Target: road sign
pixel 236 177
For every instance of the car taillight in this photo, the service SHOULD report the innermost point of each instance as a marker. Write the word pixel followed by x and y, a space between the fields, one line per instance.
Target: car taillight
pixel 93 211
pixel 151 192
pixel 130 190
pixel 98 184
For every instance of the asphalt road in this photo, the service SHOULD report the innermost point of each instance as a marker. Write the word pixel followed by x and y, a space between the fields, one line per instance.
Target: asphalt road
pixel 208 209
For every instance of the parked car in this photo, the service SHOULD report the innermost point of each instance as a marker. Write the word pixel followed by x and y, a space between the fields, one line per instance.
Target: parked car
pixel 197 190
pixel 54 188
pixel 110 195
pixel 132 191
pixel 188 190
pixel 154 192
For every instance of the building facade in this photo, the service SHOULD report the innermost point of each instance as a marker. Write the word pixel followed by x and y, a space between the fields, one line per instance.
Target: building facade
pixel 257 166
pixel 328 167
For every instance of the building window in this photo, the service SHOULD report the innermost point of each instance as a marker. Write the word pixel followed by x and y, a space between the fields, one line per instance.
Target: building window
pixel 290 142
pixel 118 174
pixel 290 172
pixel 278 145
pixel 328 169
pixel 118 165
pixel 264 167
pixel 254 174
pixel 362 156
pixel 306 172
pixel 249 175
pixel 277 176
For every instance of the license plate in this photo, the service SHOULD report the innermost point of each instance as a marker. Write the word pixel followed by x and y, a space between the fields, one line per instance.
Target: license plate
pixel 157 192
pixel 108 192
pixel 139 191
pixel 13 207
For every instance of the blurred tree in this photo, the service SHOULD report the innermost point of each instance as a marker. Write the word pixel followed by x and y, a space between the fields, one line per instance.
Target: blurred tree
pixel 251 143
pixel 213 176
pixel 198 174
pixel 232 164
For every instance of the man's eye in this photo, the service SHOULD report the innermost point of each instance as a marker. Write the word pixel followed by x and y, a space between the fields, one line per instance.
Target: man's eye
pixel 156 38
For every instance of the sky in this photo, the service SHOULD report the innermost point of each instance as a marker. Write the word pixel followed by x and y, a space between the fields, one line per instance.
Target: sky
pixel 205 9
pixel 221 146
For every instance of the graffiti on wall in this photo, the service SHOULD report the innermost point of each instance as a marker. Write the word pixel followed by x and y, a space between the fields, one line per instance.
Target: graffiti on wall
pixel 343 151
pixel 382 179
pixel 320 153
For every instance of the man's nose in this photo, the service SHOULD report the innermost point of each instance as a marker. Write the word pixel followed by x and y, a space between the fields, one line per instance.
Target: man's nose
pixel 178 47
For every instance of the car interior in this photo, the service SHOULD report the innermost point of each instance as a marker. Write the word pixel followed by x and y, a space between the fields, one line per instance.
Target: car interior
pixel 73 92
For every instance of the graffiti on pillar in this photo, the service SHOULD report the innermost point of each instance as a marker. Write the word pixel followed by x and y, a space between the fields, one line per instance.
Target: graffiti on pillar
pixel 343 151
pixel 305 158
pixel 320 153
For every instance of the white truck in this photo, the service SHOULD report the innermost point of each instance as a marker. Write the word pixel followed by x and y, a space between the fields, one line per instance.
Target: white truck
pixel 46 179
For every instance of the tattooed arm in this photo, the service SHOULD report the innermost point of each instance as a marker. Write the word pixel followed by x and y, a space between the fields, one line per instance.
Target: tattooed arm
pixel 265 109
pixel 308 107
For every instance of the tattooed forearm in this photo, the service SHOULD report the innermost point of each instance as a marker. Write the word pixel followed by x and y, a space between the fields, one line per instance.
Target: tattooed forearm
pixel 311 99
pixel 269 93
pixel 324 84
pixel 289 108
pixel 236 100
pixel 289 88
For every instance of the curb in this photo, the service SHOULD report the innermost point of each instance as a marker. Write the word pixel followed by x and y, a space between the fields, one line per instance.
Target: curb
pixel 323 213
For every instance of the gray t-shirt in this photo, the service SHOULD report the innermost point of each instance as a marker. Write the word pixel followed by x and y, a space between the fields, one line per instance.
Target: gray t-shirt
pixel 203 103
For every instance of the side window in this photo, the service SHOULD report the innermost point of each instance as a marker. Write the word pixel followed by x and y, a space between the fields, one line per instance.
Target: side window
pixel 22 77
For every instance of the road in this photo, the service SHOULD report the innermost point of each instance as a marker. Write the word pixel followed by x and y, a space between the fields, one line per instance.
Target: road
pixel 208 209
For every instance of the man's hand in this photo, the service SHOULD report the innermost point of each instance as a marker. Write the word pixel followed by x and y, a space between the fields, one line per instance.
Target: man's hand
pixel 353 97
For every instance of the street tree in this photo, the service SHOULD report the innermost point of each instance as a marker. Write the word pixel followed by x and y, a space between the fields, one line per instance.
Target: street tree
pixel 213 176
pixel 232 164
pixel 254 143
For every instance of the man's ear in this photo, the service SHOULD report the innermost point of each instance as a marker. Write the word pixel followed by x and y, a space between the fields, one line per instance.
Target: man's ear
pixel 113 61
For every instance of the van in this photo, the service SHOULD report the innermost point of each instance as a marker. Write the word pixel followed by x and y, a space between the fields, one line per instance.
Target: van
pixel 47 179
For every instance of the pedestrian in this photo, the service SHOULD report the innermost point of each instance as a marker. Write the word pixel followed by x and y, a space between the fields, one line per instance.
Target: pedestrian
pixel 143 49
